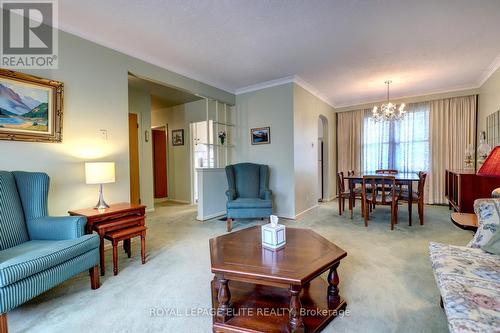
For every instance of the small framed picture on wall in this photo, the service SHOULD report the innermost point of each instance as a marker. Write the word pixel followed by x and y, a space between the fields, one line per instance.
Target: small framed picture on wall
pixel 260 136
pixel 178 137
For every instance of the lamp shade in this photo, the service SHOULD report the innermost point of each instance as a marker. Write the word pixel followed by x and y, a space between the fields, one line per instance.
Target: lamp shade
pixel 99 172
pixel 491 166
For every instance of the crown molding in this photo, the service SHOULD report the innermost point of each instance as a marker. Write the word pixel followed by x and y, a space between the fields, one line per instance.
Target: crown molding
pixel 311 89
pixel 265 84
pixel 284 80
pixel 136 55
pixel 458 91
pixel 494 66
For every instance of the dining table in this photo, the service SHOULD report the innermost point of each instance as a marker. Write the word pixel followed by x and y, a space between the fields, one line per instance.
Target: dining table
pixel 401 178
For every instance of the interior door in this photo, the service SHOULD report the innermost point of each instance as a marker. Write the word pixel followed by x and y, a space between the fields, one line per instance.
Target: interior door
pixel 160 163
pixel 133 141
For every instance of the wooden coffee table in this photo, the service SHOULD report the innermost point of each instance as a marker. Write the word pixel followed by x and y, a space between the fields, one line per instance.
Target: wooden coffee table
pixel 261 290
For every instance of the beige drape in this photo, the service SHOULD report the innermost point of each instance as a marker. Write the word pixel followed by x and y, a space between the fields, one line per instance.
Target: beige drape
pixel 350 140
pixel 452 128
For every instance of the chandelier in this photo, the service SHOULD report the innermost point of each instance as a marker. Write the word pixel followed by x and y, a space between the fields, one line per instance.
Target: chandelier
pixel 388 111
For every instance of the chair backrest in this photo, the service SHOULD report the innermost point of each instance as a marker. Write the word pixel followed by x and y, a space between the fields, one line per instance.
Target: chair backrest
pixel 249 180
pixel 13 229
pixel 422 175
pixel 386 171
pixel 382 189
pixel 340 182
pixel 33 188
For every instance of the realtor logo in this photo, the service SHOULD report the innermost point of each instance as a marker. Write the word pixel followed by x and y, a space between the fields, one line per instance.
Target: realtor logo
pixel 29 38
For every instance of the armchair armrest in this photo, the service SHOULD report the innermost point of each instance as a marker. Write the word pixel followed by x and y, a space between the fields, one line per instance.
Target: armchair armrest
pixel 56 228
pixel 268 194
pixel 231 194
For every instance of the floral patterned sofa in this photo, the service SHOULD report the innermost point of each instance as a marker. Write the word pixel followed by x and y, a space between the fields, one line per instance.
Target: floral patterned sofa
pixel 468 278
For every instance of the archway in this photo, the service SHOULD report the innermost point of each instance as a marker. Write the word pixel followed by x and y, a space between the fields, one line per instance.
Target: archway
pixel 323 159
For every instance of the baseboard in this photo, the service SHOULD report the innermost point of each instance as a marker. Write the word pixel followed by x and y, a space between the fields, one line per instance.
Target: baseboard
pixel 179 201
pixel 306 210
pixel 150 209
pixel 211 216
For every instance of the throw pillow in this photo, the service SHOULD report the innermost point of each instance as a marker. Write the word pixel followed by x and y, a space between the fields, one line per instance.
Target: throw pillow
pixel 493 245
pixel 488 217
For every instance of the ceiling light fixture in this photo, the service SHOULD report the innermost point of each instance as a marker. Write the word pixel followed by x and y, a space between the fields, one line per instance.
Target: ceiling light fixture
pixel 388 111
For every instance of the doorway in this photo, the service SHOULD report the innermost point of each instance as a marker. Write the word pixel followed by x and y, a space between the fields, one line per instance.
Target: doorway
pixel 160 166
pixel 323 159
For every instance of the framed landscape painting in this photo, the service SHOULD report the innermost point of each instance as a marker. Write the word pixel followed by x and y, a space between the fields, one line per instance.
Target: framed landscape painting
pixel 260 136
pixel 31 108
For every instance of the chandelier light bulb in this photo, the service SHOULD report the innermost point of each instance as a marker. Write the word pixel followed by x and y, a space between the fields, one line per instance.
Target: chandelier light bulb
pixel 388 111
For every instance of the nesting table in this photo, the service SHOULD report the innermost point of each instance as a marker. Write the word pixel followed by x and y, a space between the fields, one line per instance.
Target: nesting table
pixel 118 216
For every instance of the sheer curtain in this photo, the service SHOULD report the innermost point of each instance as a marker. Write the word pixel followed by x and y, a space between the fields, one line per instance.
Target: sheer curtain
pixel 402 145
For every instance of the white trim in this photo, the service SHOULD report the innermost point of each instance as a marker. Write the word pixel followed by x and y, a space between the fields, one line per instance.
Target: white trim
pixel 492 68
pixel 179 201
pixel 150 210
pixel 306 210
pixel 152 61
pixel 211 216
pixel 284 80
pixel 266 84
pixel 424 96
pixel 312 90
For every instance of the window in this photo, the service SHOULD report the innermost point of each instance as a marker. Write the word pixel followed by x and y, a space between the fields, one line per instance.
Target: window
pixel 402 145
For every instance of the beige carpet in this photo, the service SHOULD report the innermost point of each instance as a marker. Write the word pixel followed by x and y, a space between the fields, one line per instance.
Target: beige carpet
pixel 386 277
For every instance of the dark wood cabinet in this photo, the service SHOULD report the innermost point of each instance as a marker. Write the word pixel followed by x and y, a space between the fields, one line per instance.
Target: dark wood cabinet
pixel 463 187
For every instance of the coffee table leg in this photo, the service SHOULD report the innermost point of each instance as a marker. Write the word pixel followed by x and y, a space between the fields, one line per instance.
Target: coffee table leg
pixel 333 282
pixel 224 298
pixel 296 322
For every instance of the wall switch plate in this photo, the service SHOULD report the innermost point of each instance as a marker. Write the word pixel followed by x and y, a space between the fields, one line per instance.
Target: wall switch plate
pixel 104 134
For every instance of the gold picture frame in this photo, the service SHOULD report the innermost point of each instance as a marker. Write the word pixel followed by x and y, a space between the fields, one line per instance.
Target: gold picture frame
pixel 31 108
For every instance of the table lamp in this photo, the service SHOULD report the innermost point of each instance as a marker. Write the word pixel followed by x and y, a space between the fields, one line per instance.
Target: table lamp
pixel 100 173
pixel 491 168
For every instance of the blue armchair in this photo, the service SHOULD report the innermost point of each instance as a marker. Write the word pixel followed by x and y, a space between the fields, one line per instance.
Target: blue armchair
pixel 248 195
pixel 38 252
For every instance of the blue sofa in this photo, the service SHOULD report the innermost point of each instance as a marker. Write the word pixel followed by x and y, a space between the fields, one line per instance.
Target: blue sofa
pixel 38 252
pixel 248 194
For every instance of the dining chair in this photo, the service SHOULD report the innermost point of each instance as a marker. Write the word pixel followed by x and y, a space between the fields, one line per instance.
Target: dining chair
pixel 386 171
pixel 416 196
pixel 384 194
pixel 343 194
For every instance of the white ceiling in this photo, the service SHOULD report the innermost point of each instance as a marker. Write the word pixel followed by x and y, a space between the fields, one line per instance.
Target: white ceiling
pixel 345 49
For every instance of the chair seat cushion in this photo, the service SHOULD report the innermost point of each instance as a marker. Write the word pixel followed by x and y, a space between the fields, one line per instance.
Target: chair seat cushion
pixel 404 195
pixel 249 203
pixel 26 259
pixel 378 197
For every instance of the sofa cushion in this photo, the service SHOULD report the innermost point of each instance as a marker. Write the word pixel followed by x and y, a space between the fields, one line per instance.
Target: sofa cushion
pixel 21 261
pixel 488 217
pixel 469 283
pixel 249 203
pixel 12 225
